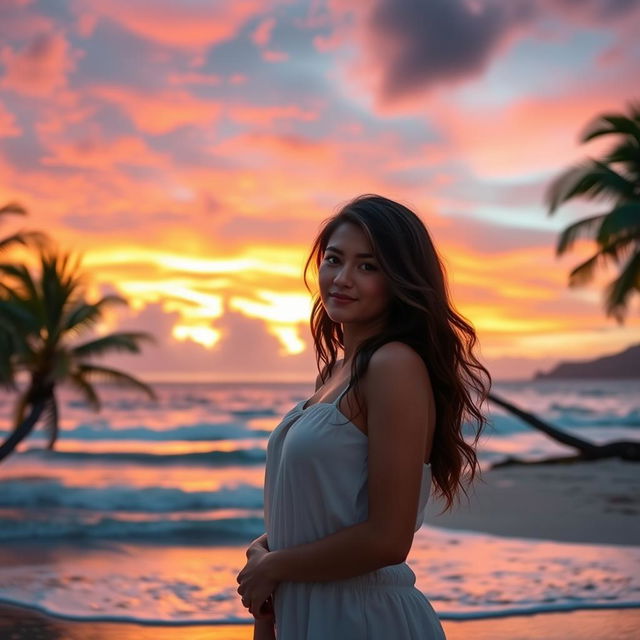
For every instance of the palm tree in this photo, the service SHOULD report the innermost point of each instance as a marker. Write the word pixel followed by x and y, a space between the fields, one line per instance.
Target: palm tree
pixel 21 237
pixel 615 178
pixel 41 319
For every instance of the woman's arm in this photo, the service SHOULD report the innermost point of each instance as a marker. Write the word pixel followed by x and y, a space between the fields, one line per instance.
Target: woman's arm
pixel 264 629
pixel 399 402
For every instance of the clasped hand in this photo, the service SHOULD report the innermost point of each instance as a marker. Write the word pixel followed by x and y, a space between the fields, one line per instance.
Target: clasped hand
pixel 256 586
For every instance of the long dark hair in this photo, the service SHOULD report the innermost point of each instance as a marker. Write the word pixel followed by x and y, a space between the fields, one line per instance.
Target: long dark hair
pixel 420 315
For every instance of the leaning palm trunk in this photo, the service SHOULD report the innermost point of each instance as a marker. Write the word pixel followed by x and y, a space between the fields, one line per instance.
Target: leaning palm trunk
pixel 627 450
pixel 24 428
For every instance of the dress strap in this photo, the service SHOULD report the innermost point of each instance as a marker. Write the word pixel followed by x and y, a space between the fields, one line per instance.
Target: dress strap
pixel 337 400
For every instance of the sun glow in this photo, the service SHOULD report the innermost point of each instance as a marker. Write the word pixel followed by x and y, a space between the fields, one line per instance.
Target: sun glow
pixel 289 338
pixel 206 336
pixel 262 260
pixel 283 314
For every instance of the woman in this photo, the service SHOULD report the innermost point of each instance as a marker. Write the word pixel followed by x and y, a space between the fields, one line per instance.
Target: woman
pixel 350 469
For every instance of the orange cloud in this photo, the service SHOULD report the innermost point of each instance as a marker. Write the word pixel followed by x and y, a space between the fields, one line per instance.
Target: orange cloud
pixel 98 152
pixel 161 111
pixel 8 125
pixel 186 25
pixel 40 67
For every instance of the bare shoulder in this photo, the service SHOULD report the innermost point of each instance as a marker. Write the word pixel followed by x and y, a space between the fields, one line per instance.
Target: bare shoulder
pixel 397 358
pixel 397 374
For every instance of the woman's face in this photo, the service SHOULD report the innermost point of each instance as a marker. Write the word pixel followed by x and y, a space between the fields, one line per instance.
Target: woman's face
pixel 353 289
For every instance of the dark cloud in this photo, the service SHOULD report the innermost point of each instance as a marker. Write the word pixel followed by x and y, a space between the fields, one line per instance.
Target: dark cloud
pixel 422 43
pixel 415 45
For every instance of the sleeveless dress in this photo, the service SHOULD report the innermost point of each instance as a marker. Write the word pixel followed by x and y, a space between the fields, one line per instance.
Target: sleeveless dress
pixel 316 484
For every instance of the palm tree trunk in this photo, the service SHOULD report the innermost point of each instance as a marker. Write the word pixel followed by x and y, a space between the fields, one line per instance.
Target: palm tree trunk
pixel 627 450
pixel 53 422
pixel 23 429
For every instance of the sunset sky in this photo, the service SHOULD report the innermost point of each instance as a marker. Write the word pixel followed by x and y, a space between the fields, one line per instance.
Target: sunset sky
pixel 190 150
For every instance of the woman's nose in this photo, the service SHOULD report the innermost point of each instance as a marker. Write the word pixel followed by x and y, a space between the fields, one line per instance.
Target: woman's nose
pixel 343 277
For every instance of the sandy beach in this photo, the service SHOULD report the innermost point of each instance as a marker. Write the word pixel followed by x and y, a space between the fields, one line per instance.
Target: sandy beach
pixel 593 502
pixel 596 503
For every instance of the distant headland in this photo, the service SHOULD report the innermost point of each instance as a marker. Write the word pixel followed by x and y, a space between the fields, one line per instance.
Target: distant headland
pixel 618 366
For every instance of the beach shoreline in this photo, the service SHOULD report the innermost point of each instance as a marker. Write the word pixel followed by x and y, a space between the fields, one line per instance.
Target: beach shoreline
pixel 21 623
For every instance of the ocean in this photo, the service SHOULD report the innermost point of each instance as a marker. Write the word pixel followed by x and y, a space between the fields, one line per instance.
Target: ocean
pixel 143 511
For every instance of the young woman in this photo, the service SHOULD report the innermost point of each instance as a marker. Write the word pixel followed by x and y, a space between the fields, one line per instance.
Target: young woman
pixel 350 469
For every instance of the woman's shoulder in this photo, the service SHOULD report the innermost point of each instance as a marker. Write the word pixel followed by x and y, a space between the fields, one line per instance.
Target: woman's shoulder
pixel 396 357
pixel 395 366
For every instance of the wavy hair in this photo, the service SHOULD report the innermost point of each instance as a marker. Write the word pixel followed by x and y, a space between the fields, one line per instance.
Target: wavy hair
pixel 420 315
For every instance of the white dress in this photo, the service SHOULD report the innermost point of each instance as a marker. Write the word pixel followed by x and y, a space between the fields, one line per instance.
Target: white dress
pixel 316 484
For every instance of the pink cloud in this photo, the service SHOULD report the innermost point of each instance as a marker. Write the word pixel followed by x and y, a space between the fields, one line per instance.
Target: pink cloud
pixel 265 115
pixel 193 77
pixel 8 125
pixel 283 149
pixel 262 35
pixel 531 135
pixel 40 67
pixel 162 111
pixel 189 24
pixel 20 22
pixel 99 152
pixel 274 56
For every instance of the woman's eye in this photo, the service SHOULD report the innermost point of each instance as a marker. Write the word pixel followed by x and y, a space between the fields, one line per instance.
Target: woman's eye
pixel 331 259
pixel 366 266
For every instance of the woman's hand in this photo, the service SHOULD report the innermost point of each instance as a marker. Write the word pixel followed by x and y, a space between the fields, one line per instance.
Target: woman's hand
pixel 256 583
pixel 258 545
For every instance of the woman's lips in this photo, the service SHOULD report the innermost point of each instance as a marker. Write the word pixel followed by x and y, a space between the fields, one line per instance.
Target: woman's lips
pixel 341 299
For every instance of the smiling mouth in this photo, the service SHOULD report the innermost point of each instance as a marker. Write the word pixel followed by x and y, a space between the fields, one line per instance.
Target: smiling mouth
pixel 343 298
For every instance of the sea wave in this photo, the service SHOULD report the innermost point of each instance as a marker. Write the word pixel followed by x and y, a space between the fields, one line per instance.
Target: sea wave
pixel 253 456
pixel 47 493
pixel 74 526
pixel 204 431
pixel 196 583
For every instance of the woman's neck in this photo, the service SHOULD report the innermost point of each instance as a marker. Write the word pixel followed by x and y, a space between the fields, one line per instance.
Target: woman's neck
pixel 353 335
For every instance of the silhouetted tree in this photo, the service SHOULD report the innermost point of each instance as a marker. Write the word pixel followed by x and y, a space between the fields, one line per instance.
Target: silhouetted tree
pixel 616 179
pixel 41 319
